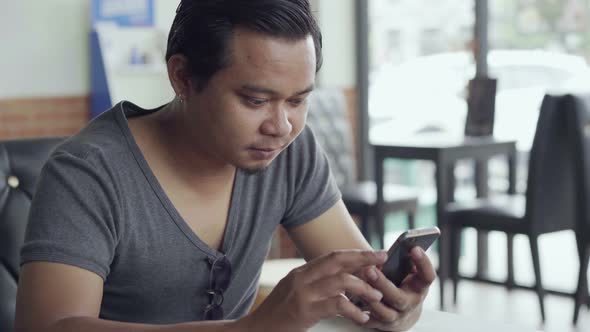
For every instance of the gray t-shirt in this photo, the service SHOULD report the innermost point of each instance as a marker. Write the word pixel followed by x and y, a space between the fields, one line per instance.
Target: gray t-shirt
pixel 98 206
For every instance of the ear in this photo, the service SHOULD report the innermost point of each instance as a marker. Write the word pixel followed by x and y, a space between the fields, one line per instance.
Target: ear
pixel 178 74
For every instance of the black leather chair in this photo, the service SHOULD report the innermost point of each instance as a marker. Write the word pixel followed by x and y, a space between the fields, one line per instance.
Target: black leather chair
pixel 20 164
pixel 548 205
pixel 329 121
pixel 578 107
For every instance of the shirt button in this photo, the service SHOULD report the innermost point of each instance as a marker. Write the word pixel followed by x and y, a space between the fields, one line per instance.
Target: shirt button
pixel 13 182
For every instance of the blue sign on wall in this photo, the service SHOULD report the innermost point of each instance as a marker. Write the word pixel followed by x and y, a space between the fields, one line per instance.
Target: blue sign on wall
pixel 123 12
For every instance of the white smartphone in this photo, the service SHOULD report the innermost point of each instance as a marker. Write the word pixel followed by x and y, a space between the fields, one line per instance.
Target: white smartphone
pixel 399 263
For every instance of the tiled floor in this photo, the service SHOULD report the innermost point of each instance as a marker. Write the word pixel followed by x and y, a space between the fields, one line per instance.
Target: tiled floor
pixel 559 264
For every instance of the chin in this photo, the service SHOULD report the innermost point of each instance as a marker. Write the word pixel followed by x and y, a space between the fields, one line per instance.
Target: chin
pixel 253 170
pixel 253 167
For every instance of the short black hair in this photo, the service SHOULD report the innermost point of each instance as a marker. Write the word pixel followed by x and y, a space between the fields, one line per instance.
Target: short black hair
pixel 202 30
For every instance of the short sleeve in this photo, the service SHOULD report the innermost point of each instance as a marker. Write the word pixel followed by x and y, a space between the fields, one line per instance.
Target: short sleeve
pixel 73 216
pixel 314 188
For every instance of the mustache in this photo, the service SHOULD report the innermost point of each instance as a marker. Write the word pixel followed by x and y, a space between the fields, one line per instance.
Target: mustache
pixel 269 145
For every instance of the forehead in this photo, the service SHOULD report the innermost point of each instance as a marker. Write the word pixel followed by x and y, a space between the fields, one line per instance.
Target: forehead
pixel 278 63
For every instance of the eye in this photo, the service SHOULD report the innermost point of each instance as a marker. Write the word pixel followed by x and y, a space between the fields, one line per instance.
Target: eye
pixel 297 102
pixel 256 102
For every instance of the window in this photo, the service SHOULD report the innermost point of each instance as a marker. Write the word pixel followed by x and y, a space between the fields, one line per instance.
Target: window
pixel 420 60
pixel 416 50
pixel 535 47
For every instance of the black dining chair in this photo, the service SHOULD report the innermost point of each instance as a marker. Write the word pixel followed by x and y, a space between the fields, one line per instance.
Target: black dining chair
pixel 547 206
pixel 329 121
pixel 578 107
pixel 20 165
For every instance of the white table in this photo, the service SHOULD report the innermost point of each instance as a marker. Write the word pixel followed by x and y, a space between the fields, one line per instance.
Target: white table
pixel 431 321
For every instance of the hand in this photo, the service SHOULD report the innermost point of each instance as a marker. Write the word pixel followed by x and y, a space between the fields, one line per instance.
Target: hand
pixel 401 307
pixel 316 290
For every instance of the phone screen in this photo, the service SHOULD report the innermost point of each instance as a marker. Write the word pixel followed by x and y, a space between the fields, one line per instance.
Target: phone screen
pixel 399 263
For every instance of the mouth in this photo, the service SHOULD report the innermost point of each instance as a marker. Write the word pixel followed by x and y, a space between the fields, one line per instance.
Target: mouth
pixel 264 153
pixel 266 149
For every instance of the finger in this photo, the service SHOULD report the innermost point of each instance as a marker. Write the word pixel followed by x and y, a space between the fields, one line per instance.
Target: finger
pixel 402 323
pixel 425 272
pixel 339 261
pixel 340 305
pixel 392 295
pixel 344 283
pixel 374 323
pixel 382 313
pixel 364 272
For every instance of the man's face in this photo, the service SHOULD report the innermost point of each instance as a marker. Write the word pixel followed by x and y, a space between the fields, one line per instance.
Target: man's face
pixel 253 109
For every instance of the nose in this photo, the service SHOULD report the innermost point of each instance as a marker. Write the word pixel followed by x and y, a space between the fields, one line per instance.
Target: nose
pixel 278 123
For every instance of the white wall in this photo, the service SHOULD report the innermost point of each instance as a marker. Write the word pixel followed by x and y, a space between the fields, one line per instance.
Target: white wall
pixel 337 21
pixel 44 48
pixel 44 45
pixel 164 13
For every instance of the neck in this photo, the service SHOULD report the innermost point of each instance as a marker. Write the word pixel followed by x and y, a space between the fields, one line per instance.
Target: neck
pixel 184 150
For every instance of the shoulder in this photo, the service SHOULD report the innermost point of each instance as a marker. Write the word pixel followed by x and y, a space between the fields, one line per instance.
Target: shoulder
pixel 101 139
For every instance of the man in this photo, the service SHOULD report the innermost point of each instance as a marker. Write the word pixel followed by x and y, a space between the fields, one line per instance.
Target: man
pixel 159 220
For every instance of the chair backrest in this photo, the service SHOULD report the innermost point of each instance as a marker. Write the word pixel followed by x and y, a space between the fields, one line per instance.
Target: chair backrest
pixel 328 118
pixel 578 107
pixel 551 183
pixel 20 164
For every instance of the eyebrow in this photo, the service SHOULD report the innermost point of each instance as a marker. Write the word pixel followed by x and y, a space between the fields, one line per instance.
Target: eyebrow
pixel 259 89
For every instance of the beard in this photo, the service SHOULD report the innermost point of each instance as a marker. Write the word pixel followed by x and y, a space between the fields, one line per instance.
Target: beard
pixel 253 170
pixel 250 169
